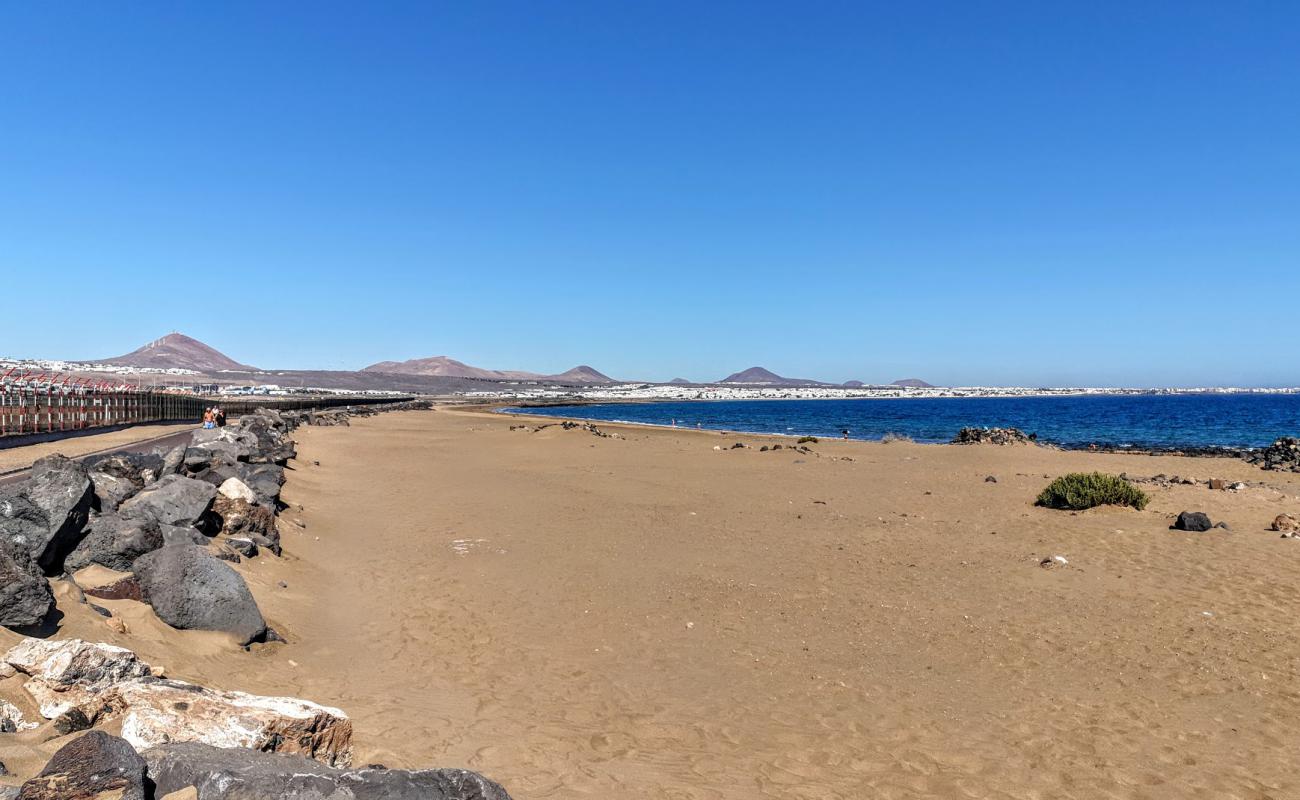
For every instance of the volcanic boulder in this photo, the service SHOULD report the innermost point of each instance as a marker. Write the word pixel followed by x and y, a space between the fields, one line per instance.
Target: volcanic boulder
pixel 118 476
pixel 1193 521
pixel 25 597
pixel 174 500
pixel 95 766
pixel 47 513
pixel 192 590
pixel 225 774
pixel 115 542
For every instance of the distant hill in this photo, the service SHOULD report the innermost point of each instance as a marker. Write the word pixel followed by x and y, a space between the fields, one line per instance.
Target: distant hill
pixel 761 375
pixel 679 380
pixel 442 366
pixel 853 384
pixel 582 374
pixel 446 367
pixel 178 351
pixel 913 383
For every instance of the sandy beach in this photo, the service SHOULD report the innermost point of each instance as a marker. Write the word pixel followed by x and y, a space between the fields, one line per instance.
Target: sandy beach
pixel 645 616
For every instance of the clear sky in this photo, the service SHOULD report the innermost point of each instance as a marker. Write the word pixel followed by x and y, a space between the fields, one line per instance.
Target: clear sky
pixel 1001 193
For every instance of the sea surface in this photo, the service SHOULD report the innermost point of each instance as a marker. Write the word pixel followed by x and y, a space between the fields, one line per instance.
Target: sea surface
pixel 1157 422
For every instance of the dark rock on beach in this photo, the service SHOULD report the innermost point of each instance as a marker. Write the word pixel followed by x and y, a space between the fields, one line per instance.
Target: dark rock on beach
pixel 118 476
pixel 174 500
pixel 95 766
pixel 193 590
pixel 226 774
pixel 47 513
pixel 25 597
pixel 115 542
pixel 1193 521
pixel 181 534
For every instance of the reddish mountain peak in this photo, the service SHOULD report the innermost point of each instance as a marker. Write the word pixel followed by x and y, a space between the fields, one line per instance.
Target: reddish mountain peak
pixel 178 351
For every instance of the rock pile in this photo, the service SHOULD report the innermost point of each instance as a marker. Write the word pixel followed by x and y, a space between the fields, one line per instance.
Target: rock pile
pixel 221 492
pixel 1282 455
pixel 215 744
pixel 120 510
pixel 994 436
pixel 169 519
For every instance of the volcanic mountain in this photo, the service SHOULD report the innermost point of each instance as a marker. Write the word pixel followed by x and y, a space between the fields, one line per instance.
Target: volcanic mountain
pixel 913 383
pixel 178 351
pixel 762 376
pixel 444 366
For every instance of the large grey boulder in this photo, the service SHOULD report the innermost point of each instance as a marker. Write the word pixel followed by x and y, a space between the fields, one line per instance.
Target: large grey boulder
pixel 172 460
pixel 265 480
pixel 230 774
pixel 233 440
pixel 118 476
pixel 199 460
pixel 193 590
pixel 139 468
pixel 23 524
pixel 111 490
pixel 95 766
pixel 115 542
pixel 47 513
pixel 181 534
pixel 174 500
pixel 25 597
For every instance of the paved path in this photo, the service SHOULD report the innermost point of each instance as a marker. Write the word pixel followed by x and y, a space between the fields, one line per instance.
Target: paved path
pixel 14 461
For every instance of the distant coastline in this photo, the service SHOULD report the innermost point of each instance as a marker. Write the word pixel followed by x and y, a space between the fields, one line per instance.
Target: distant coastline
pixel 651 392
pixel 1190 423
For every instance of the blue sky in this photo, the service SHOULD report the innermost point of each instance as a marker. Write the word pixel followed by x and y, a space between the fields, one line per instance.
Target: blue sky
pixel 1000 193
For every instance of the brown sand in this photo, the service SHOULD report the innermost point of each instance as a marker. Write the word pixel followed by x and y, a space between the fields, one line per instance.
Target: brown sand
pixel 646 617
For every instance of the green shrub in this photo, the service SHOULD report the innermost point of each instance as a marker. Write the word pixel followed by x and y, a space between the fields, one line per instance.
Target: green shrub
pixel 1078 491
pixel 803 439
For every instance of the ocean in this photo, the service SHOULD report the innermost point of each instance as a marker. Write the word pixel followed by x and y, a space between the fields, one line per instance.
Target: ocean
pixel 1159 422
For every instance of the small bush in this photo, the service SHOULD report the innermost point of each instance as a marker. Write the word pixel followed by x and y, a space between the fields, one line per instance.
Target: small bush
pixel 804 439
pixel 1078 491
pixel 896 437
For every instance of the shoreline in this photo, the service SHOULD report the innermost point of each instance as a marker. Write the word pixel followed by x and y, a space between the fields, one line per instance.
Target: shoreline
pixel 1193 451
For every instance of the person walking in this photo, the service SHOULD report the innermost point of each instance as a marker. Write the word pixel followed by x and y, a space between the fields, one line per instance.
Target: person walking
pixel 209 421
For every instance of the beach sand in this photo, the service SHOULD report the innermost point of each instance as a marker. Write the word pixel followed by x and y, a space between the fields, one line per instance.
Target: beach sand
pixel 648 617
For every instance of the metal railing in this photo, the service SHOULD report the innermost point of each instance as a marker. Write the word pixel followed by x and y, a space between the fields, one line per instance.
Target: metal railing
pixel 32 402
pixel 45 403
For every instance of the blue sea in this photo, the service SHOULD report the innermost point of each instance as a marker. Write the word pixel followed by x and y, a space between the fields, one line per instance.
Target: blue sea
pixel 1139 421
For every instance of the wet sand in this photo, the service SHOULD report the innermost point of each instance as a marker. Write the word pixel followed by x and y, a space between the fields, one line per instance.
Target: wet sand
pixel 647 617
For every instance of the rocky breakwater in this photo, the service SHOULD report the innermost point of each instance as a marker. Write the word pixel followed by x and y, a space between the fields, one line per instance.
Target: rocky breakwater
pixel 169 525
pixel 1000 436
pixel 180 737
